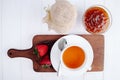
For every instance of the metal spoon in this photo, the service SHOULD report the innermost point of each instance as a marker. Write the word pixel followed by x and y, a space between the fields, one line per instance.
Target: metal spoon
pixel 62 43
pixel 61 46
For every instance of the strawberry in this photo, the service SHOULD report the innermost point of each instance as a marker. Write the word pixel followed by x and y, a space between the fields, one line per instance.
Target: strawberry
pixel 41 50
pixel 45 61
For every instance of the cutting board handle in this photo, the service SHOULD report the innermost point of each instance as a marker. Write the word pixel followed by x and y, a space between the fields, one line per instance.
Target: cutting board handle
pixel 28 53
pixel 20 53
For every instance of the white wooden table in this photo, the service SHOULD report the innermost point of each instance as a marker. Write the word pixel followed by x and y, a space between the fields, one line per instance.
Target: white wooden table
pixel 20 20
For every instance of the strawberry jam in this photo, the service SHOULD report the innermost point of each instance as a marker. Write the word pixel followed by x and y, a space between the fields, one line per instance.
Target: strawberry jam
pixel 96 20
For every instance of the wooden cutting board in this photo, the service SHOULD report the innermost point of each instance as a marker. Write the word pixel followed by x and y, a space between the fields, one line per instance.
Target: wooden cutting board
pixel 96 41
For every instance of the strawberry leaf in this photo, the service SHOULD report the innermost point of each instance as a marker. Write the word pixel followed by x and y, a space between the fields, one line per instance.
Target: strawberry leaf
pixel 45 66
pixel 35 51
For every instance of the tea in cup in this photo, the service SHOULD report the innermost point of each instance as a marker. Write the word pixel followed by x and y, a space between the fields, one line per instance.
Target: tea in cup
pixel 73 57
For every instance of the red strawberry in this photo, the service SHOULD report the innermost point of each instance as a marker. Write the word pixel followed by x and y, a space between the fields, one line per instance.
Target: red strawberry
pixel 45 61
pixel 41 50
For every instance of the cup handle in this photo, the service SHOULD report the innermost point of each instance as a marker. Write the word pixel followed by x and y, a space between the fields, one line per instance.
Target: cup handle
pixel 90 68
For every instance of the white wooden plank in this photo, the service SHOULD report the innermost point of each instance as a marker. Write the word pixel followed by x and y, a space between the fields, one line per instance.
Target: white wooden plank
pixel 81 77
pixel 89 3
pixel 1 70
pixel 112 65
pixel 94 76
pixel 27 71
pixel 30 25
pixel 10 38
pixel 51 76
pixel 31 11
pixel 30 21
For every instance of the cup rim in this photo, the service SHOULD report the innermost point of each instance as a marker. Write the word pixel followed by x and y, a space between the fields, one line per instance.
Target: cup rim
pixel 109 15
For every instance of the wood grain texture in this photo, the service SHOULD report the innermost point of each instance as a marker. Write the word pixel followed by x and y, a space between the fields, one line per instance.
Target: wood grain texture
pixel 96 41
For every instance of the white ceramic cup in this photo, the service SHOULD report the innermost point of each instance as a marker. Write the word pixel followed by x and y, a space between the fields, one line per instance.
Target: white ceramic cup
pixel 84 45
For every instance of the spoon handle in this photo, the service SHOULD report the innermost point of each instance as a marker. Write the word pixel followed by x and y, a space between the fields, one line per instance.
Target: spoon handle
pixel 59 70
